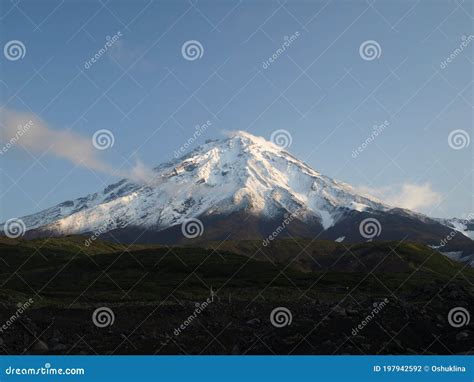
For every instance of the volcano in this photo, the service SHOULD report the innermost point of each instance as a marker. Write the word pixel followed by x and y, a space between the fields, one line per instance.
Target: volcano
pixel 241 187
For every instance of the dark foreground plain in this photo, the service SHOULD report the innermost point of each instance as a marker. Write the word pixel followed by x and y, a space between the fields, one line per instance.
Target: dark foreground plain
pixel 329 289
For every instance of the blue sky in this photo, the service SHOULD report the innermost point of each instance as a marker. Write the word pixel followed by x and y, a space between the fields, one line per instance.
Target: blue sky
pixel 320 89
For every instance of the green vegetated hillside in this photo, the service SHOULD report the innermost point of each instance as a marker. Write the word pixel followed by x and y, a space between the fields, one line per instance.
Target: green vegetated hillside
pixel 62 267
pixel 319 255
pixel 328 287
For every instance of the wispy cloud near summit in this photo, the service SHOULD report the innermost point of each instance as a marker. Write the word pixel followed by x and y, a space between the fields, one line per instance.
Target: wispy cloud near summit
pixel 64 144
pixel 41 138
pixel 417 197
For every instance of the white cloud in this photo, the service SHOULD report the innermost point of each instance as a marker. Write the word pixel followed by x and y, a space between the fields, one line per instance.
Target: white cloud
pixel 64 144
pixel 415 197
pixel 40 138
pixel 142 174
pixel 408 195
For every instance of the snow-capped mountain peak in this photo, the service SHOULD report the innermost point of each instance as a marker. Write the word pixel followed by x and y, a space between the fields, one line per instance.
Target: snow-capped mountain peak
pixel 243 187
pixel 241 172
